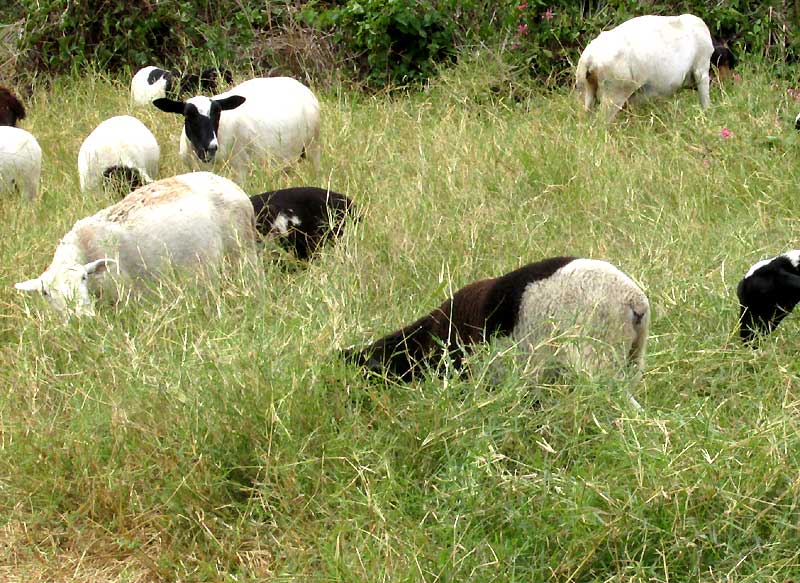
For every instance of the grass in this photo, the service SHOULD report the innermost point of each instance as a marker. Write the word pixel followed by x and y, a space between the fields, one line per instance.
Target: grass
pixel 213 435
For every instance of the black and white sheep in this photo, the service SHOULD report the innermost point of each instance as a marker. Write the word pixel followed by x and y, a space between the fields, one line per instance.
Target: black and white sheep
pixel 149 84
pixel 643 57
pixel 767 293
pixel 301 219
pixel 11 108
pixel 586 298
pixel 121 149
pixel 20 161
pixel 260 121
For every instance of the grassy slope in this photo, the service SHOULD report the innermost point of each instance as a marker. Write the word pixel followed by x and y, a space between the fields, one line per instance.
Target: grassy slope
pixel 213 435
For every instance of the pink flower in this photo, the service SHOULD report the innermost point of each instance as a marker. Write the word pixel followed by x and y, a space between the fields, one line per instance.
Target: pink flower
pixel 522 6
pixel 548 15
pixel 523 28
pixel 726 133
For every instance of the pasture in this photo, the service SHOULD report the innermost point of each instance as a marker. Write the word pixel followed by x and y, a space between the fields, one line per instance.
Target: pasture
pixel 201 435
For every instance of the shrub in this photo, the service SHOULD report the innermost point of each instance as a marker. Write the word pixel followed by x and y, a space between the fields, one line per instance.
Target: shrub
pixel 392 41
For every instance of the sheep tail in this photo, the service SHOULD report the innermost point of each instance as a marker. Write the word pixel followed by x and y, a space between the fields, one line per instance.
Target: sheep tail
pixel 640 319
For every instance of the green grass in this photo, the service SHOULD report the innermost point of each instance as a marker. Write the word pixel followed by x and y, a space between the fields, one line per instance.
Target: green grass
pixel 200 435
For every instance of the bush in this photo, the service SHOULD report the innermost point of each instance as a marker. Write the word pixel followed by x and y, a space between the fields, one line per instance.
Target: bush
pixel 390 41
pixel 378 42
pixel 60 35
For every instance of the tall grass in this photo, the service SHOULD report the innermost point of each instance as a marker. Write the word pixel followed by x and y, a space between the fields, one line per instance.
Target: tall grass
pixel 213 435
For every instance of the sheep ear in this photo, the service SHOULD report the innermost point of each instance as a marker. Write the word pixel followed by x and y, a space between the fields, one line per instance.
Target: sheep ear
pixel 99 266
pixel 231 102
pixel 32 285
pixel 169 105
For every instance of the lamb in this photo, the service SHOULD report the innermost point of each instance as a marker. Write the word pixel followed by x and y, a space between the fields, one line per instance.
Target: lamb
pixel 264 120
pixel 11 108
pixel 645 56
pixel 301 219
pixel 531 305
pixel 188 223
pixel 121 148
pixel 150 83
pixel 767 293
pixel 20 161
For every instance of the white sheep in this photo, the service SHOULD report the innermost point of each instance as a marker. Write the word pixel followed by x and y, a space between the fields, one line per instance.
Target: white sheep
pixel 187 223
pixel 260 121
pixel 121 145
pixel 600 312
pixel 645 56
pixel 20 161
pixel 148 84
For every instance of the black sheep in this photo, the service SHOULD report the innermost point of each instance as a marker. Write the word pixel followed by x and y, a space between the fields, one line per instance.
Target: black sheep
pixel 301 218
pixel 767 293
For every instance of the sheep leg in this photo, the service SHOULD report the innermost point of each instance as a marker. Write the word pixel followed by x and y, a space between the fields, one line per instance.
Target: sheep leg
pixel 614 95
pixel 30 185
pixel 702 81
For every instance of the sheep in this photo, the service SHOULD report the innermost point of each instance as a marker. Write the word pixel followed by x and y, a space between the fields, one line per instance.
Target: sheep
pixel 797 122
pixel 150 83
pixel 258 121
pixel 121 148
pixel 723 61
pixel 767 293
pixel 20 161
pixel 529 305
pixel 187 223
pixel 301 218
pixel 11 108
pixel 645 56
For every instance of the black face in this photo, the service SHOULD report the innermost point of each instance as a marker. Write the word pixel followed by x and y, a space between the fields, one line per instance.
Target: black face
pixel 397 364
pixel 157 74
pixel 201 130
pixel 723 57
pixel 766 298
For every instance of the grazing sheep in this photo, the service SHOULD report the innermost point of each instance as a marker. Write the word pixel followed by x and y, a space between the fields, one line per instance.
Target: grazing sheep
pixel 150 83
pixel 645 56
pixel 122 149
pixel 20 161
pixel 185 223
pixel 11 109
pixel 301 218
pixel 723 61
pixel 767 293
pixel 557 296
pixel 259 121
pixel 797 122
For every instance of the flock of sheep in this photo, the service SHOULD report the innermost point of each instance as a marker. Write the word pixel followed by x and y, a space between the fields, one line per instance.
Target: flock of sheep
pixel 196 221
